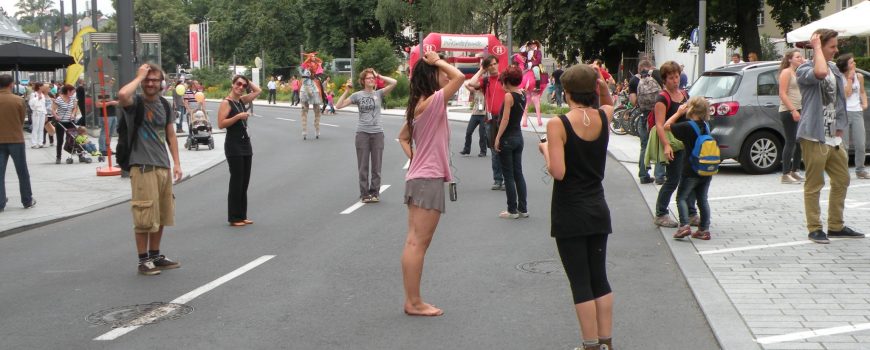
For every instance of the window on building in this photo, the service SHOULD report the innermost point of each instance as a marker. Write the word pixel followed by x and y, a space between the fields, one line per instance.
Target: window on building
pixel 760 19
pixel 844 4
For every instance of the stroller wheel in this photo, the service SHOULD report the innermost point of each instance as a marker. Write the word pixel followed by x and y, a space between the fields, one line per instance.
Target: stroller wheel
pixel 197 147
pixel 69 161
pixel 210 144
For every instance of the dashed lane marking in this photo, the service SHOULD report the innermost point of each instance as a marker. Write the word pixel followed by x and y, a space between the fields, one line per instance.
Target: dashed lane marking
pixel 117 332
pixel 359 203
pixel 287 119
pixel 332 125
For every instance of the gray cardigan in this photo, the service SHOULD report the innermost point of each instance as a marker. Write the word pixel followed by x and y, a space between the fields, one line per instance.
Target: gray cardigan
pixel 812 123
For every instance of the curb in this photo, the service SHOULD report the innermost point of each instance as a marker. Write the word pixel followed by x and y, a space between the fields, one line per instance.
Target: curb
pixel 727 325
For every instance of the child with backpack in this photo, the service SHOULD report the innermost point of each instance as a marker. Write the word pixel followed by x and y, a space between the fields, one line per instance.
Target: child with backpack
pixel 702 163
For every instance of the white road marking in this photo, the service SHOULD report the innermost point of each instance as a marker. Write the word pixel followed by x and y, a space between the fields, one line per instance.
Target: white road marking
pixel 407 165
pixel 812 334
pixel 332 125
pixel 753 247
pixel 184 299
pixel 359 203
pixel 826 188
pixel 290 120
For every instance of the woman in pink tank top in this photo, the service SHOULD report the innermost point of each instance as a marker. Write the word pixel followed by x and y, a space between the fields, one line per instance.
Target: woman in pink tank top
pixel 425 138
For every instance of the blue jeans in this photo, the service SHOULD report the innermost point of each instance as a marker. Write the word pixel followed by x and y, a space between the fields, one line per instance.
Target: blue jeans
pixel 643 133
pixel 696 186
pixel 674 171
pixel 474 122
pixel 557 90
pixel 182 112
pixel 16 151
pixel 511 157
pixel 113 123
pixel 496 163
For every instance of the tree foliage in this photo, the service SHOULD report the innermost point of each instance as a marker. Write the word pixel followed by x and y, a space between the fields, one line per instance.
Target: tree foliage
pixel 445 16
pixel 377 53
pixel 167 18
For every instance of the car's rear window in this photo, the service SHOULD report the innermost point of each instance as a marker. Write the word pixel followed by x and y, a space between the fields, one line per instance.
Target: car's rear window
pixel 714 85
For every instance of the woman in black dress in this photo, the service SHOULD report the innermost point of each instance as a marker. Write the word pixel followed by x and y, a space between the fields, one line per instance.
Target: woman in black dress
pixel 233 116
pixel 575 153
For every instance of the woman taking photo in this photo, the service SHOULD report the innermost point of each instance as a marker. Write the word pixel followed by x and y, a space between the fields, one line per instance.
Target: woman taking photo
pixel 790 113
pixel 509 145
pixel 575 154
pixel 233 116
pixel 37 119
pixel 64 111
pixel 425 138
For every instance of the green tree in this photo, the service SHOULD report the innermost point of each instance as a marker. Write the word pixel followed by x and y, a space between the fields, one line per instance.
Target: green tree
pixel 445 16
pixel 328 25
pixel 33 8
pixel 730 20
pixel 167 18
pixel 376 53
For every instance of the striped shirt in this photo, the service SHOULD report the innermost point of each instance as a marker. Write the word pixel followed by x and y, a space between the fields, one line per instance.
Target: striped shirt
pixel 65 109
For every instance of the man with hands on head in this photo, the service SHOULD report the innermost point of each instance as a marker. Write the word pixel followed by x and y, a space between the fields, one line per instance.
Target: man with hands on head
pixel 820 131
pixel 153 204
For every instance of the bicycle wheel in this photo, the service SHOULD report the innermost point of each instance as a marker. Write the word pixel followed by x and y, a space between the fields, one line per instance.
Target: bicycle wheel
pixel 616 124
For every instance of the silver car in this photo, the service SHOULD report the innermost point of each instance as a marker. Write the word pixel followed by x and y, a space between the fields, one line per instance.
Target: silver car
pixel 744 104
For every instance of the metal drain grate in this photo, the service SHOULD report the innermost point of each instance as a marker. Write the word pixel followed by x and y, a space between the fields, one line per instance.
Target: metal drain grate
pixel 545 267
pixel 138 315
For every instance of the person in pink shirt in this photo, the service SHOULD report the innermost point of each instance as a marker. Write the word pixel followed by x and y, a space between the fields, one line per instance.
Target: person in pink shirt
pixel 294 85
pixel 425 138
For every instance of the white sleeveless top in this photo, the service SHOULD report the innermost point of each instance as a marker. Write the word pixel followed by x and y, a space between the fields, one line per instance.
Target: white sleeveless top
pixel 853 102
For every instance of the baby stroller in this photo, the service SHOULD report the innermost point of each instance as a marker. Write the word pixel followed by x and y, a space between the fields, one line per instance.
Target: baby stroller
pixel 199 128
pixel 73 148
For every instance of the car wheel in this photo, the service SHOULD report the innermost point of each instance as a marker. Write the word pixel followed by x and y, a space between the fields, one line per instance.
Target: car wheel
pixel 761 153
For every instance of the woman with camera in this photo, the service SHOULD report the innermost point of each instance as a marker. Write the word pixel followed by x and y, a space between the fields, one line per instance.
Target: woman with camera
pixel 576 153
pixel 425 138
pixel 509 145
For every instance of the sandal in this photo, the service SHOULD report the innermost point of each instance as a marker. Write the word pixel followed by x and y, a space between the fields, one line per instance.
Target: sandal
pixel 702 235
pixel 248 222
pixel 237 224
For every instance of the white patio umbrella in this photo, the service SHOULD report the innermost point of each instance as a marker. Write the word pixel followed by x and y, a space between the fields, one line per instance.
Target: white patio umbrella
pixel 852 21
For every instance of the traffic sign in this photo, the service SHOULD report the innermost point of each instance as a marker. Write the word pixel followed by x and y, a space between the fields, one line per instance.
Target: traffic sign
pixel 693 38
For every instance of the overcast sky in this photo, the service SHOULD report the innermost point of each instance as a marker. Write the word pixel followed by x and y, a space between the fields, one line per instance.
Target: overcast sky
pixel 104 6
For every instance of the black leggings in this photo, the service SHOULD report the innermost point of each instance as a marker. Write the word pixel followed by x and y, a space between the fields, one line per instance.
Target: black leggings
pixel 583 259
pixel 60 135
pixel 240 177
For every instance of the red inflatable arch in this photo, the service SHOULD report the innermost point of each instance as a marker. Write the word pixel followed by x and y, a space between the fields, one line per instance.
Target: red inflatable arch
pixel 487 44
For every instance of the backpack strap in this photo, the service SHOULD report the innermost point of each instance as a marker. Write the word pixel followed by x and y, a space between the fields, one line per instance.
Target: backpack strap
pixel 138 117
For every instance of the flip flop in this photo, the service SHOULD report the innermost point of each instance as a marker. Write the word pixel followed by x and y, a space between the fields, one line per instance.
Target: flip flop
pixel 237 224
pixel 424 315
pixel 248 222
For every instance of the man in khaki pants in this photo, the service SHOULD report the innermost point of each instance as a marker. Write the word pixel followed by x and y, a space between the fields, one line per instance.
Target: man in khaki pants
pixel 820 131
pixel 153 204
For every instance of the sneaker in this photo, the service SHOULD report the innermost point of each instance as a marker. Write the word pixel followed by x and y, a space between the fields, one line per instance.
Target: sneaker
pixel 646 180
pixel 660 181
pixel 665 221
pixel 695 220
pixel 797 176
pixel 162 263
pixel 366 199
pixel 464 153
pixel 702 235
pixel 147 267
pixel 57 161
pixel 304 137
pixel 508 215
pixel 683 232
pixel 496 186
pixel 523 215
pixel 502 188
pixel 788 179
pixel 863 174
pixel 846 232
pixel 819 236
pixel 33 204
pixel 374 199
pixel 481 154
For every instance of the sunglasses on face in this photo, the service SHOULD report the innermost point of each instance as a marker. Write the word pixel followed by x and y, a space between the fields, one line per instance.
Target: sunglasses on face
pixel 241 84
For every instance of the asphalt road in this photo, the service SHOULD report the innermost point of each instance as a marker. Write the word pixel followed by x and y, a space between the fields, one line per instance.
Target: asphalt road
pixel 335 279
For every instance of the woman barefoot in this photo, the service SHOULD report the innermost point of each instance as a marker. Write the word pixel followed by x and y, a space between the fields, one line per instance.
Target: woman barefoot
pixel 424 138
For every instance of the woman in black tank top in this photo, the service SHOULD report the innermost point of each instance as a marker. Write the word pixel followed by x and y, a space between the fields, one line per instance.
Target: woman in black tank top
pixel 576 153
pixel 237 147
pixel 509 145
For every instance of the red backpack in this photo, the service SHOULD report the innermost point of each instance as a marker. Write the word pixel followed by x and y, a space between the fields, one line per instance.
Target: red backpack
pixel 651 118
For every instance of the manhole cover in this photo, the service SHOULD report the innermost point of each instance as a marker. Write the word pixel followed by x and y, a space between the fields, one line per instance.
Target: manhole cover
pixel 138 315
pixel 546 267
